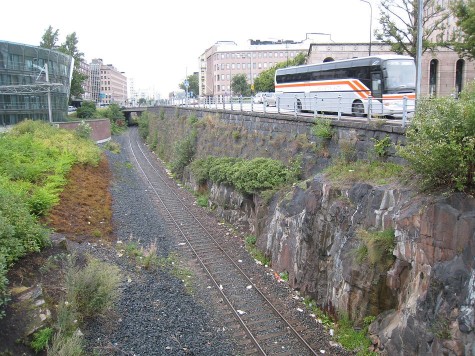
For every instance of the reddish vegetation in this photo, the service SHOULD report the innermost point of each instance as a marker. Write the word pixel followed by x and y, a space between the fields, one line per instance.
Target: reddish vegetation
pixel 84 211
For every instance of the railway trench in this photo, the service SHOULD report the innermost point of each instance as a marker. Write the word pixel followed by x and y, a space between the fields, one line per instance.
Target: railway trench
pixel 262 316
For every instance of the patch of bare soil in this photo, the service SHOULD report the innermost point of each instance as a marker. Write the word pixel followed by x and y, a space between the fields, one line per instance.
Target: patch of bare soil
pixel 84 214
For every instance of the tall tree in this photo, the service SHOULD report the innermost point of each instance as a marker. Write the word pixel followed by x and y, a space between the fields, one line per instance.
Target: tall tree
pixel 193 86
pixel 70 47
pixel 240 86
pixel 464 41
pixel 50 38
pixel 399 24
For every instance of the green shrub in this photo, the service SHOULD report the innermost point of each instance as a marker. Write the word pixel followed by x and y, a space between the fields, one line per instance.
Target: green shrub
pixel 94 288
pixel 382 146
pixel 440 145
pixel 322 128
pixel 87 110
pixel 202 200
pixel 41 339
pixel 352 339
pixel 83 130
pixel 112 146
pixel 185 150
pixel 144 124
pixel 248 176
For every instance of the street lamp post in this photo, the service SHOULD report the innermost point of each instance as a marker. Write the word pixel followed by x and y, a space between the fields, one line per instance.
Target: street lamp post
pixel 370 24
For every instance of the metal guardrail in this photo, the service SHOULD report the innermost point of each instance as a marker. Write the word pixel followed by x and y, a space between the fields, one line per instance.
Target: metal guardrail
pixel 334 107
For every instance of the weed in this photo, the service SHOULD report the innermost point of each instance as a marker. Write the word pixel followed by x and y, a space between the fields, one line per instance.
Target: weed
pixel 94 288
pixel 381 147
pixel 284 276
pixel 132 250
pixel 255 252
pixel 202 200
pixel 352 339
pixel 149 257
pixel 236 135
pixel 41 339
pixel 322 128
pixel 83 130
pixel 324 318
pixel 363 171
pixel 71 345
pixel 112 146
pixel 440 327
pixel 377 247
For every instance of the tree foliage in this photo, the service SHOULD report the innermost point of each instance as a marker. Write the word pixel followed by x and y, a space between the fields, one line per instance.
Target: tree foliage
pixel 441 142
pixel 193 86
pixel 265 80
pixel 87 110
pixel 399 24
pixel 49 40
pixel 464 11
pixel 240 86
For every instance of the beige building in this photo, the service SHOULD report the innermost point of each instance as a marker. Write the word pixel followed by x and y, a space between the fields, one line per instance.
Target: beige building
pixel 225 59
pixel 443 71
pixel 107 84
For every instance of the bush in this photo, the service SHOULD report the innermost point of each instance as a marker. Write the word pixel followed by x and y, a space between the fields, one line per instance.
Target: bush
pixel 185 150
pixel 248 176
pixel 94 288
pixel 376 248
pixel 441 142
pixel 322 128
pixel 87 110
pixel 41 339
pixel 84 130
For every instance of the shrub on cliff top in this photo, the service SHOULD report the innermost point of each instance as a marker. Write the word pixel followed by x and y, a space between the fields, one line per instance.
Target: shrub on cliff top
pixel 248 176
pixel 441 142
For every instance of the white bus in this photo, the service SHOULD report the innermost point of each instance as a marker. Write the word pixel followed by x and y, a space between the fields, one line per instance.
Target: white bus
pixel 348 86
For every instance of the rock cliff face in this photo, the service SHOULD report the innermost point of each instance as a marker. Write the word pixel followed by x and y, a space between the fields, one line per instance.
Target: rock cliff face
pixel 422 292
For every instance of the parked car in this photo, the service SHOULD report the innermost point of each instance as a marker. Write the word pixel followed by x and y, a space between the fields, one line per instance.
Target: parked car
pixel 259 98
pixel 265 98
pixel 270 99
pixel 71 108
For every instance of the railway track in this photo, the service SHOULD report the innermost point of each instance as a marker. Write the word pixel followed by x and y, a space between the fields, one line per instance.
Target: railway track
pixel 252 316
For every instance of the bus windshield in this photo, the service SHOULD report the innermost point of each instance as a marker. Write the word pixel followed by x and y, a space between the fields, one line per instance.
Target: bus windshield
pixel 401 74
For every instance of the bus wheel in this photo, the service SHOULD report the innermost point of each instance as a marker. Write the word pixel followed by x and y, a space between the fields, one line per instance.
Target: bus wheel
pixel 299 105
pixel 357 109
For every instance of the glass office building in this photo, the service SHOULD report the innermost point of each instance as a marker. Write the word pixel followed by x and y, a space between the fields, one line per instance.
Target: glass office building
pixel 34 83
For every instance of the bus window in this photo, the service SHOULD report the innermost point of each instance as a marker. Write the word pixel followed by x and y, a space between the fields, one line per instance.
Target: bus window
pixel 376 85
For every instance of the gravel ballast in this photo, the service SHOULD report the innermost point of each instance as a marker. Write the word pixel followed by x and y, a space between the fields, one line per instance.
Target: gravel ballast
pixel 159 313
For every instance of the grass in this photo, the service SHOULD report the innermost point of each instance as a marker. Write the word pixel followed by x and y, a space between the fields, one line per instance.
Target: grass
pixel 378 173
pixel 352 339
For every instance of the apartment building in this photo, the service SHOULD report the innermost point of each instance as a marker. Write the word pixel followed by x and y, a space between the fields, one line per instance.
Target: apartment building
pixel 107 84
pixel 225 59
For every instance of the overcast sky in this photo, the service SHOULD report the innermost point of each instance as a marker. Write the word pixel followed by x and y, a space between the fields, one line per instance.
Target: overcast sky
pixel 158 43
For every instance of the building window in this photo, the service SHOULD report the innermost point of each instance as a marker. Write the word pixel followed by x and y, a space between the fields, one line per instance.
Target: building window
pixel 433 72
pixel 459 68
